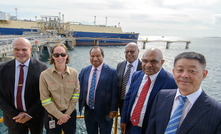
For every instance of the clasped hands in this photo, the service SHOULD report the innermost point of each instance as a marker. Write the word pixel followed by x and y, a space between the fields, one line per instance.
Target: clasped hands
pixel 64 118
pixel 22 118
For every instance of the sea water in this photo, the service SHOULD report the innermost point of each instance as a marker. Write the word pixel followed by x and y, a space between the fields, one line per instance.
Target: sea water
pixel 209 47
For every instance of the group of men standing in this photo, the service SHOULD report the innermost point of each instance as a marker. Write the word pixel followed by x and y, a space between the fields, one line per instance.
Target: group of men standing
pixel 148 97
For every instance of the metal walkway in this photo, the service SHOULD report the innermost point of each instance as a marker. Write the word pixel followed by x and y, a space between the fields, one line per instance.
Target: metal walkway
pixel 37 42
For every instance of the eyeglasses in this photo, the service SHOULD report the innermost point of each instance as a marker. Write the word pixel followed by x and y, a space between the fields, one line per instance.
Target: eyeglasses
pixel 131 52
pixel 56 55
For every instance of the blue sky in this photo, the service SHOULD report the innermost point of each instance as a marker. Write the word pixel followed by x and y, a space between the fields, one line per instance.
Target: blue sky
pixel 188 18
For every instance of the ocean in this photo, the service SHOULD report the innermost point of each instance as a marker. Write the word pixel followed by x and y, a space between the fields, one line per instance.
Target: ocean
pixel 209 47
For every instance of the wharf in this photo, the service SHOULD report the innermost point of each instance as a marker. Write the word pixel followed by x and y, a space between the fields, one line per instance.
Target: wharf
pixel 38 42
pixel 168 42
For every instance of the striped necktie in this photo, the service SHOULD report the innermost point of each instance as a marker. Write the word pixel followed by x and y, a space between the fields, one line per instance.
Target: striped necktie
pixel 92 88
pixel 125 81
pixel 19 89
pixel 137 110
pixel 175 119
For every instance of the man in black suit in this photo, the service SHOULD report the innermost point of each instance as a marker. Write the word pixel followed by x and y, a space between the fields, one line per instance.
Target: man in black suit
pixel 19 90
pixel 131 56
pixel 188 109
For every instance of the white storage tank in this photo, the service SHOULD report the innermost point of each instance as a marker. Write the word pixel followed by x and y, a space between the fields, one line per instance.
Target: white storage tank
pixel 4 16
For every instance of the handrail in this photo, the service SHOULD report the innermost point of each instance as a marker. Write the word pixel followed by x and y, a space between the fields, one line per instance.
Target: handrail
pixel 80 117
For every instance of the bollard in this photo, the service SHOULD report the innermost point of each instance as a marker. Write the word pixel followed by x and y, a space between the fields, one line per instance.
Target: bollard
pixel 168 45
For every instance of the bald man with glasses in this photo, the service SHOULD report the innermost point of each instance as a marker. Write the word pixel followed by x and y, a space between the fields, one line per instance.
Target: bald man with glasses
pixel 126 68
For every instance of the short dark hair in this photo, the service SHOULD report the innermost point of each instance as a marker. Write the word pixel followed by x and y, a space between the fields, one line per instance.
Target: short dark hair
pixel 52 51
pixel 97 47
pixel 191 55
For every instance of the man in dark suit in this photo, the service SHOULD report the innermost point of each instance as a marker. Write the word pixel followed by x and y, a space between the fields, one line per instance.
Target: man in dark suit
pixel 144 86
pixel 198 113
pixel 98 93
pixel 131 56
pixel 19 91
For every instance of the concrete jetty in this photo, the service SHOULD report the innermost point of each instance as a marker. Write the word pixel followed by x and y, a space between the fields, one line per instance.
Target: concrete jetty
pixel 38 43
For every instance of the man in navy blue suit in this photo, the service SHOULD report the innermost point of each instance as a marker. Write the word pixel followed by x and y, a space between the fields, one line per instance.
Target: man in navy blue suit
pixel 152 72
pixel 199 114
pixel 99 93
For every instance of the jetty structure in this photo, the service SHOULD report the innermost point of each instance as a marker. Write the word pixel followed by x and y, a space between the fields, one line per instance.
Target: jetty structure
pixel 83 34
pixel 168 42
pixel 50 30
pixel 38 42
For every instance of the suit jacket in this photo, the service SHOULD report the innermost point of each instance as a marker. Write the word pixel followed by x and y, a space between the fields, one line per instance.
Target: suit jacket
pixel 31 95
pixel 106 97
pixel 203 118
pixel 164 80
pixel 121 69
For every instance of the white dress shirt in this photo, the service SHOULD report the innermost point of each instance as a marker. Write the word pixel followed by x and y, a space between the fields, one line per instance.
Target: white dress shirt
pixel 98 72
pixel 132 70
pixel 190 100
pixel 143 111
pixel 17 73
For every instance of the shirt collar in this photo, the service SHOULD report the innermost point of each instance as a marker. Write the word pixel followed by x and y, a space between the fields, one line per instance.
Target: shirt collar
pixel 152 77
pixel 134 63
pixel 191 97
pixel 67 69
pixel 17 63
pixel 98 68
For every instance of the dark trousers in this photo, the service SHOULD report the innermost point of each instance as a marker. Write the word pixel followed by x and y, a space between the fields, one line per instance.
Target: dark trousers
pixel 130 129
pixel 69 127
pixel 93 122
pixel 35 125
pixel 121 102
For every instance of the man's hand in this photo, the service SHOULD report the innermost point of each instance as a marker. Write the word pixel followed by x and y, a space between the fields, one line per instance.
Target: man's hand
pixel 122 127
pixel 22 118
pixel 112 114
pixel 64 118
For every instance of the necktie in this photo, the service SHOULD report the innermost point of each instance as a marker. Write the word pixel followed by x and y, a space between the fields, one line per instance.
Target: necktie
pixel 92 88
pixel 125 81
pixel 175 119
pixel 19 89
pixel 136 113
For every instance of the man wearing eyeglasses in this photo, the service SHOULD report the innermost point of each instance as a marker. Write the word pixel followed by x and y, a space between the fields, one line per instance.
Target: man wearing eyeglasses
pixel 19 91
pixel 143 88
pixel 125 70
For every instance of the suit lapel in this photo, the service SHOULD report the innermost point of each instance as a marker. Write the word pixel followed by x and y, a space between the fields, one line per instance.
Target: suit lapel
pixel 157 86
pixel 31 68
pixel 123 69
pixel 11 76
pixel 87 74
pixel 102 75
pixel 138 82
pixel 168 107
pixel 200 107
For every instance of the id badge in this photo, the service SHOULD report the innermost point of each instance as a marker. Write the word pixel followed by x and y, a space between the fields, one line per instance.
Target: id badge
pixel 51 124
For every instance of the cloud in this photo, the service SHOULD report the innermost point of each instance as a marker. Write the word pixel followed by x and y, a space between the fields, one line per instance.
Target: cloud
pixel 217 18
pixel 158 17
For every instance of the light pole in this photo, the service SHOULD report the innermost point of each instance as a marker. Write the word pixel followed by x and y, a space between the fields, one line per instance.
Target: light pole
pixel 16 13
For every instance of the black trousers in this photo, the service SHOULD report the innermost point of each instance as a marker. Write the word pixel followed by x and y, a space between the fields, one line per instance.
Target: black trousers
pixel 93 122
pixel 35 125
pixel 69 127
pixel 121 102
